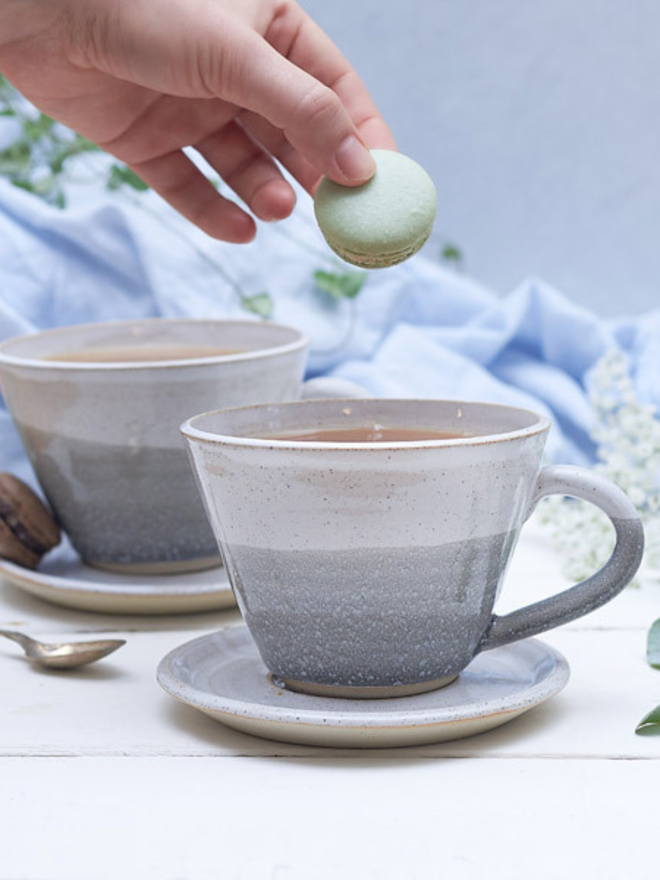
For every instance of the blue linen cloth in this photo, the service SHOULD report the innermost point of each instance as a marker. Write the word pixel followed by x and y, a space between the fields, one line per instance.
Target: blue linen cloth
pixel 415 330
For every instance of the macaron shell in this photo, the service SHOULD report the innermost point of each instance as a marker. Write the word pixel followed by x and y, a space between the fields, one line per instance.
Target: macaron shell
pixel 384 221
pixel 13 549
pixel 27 528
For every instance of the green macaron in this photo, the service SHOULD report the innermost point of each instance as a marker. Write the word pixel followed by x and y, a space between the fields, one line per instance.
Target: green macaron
pixel 382 222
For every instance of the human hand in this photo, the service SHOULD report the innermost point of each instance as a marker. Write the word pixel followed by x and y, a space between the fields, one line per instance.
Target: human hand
pixel 243 82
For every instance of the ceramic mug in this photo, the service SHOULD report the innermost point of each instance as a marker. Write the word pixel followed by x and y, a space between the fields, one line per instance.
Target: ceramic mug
pixel 103 435
pixel 371 569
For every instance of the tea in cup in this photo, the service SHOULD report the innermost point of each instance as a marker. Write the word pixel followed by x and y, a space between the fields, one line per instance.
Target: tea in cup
pixel 367 541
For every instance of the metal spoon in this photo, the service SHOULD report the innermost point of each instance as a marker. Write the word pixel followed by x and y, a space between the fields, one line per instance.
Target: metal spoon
pixel 65 655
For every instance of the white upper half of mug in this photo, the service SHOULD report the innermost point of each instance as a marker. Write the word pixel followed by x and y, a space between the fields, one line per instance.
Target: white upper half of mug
pixel 286 494
pixel 142 403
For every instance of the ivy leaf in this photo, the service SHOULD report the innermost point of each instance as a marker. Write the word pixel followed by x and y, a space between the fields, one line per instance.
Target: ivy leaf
pixel 83 145
pixel 653 645
pixel 121 175
pixel 650 724
pixel 73 148
pixel 34 129
pixel 56 164
pixel 47 189
pixel 27 185
pixel 16 158
pixel 452 254
pixel 11 166
pixel 340 285
pixel 260 304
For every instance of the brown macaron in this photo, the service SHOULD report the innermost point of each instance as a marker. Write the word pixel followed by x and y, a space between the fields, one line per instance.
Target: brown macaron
pixel 27 528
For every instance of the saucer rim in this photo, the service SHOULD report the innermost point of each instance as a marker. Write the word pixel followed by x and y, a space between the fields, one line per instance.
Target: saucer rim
pixel 125 591
pixel 333 714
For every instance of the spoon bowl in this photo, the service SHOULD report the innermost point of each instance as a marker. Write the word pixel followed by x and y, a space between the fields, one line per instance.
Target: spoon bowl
pixel 63 655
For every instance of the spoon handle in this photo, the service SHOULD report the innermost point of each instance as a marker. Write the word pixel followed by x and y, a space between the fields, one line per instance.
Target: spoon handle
pixel 17 637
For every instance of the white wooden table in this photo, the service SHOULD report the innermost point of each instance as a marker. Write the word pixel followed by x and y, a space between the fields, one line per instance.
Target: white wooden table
pixel 103 775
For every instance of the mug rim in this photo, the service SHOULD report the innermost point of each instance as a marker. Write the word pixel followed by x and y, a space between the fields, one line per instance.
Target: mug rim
pixel 298 343
pixel 541 425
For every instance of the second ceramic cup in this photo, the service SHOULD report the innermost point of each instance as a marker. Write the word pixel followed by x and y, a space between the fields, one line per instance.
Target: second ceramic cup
pixel 98 407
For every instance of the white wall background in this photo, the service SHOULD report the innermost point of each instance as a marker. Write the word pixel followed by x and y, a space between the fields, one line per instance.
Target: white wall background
pixel 539 121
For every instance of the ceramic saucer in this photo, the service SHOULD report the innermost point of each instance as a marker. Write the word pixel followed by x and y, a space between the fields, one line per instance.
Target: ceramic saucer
pixel 223 676
pixel 62 578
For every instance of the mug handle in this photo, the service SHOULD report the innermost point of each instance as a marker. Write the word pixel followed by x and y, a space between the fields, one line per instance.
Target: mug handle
pixel 596 590
pixel 331 387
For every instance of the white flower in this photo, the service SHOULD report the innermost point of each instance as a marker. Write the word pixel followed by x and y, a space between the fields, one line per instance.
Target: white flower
pixel 627 436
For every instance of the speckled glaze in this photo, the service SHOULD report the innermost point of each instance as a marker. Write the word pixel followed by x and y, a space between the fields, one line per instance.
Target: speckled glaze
pixel 372 569
pixel 104 438
pixel 222 675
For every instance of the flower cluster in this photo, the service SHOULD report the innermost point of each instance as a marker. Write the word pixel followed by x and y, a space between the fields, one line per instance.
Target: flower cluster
pixel 627 436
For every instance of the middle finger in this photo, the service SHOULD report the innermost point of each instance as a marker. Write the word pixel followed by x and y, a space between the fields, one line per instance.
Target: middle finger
pixel 249 171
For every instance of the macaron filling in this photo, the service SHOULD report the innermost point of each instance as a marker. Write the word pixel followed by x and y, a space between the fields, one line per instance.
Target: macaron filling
pixel 369 261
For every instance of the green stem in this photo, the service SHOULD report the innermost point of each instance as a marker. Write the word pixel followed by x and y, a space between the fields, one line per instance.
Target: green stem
pixel 310 249
pixel 175 227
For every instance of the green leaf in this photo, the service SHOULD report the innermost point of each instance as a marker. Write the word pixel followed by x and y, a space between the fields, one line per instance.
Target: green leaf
pixel 15 158
pixel 120 175
pixel 72 148
pixel 82 145
pixel 47 189
pixel 260 304
pixel 650 724
pixel 34 129
pixel 8 111
pixel 340 285
pixel 56 164
pixel 653 645
pixel 452 254
pixel 9 167
pixel 21 183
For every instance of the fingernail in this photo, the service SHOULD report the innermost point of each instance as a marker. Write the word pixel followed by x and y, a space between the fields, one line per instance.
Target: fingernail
pixel 354 160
